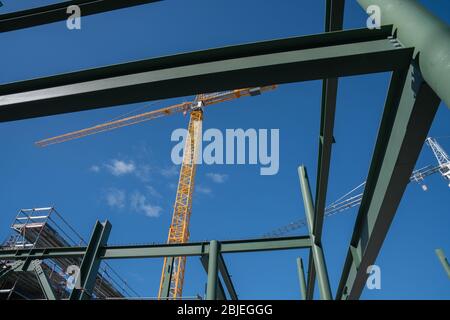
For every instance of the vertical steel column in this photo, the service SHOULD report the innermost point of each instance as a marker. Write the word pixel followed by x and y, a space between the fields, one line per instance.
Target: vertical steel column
pixel 91 262
pixel 301 277
pixel 221 295
pixel 316 247
pixel 334 19
pixel 165 287
pixel 211 288
pixel 443 260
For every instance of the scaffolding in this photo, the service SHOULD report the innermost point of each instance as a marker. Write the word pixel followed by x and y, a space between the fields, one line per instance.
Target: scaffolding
pixel 46 228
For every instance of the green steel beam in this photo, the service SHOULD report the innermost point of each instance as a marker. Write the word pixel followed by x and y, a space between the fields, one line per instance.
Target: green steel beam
pixel 91 261
pixel 198 249
pixel 221 295
pixel 419 28
pixel 227 278
pixel 332 54
pixel 334 18
pixel 213 257
pixel 333 22
pixel 161 250
pixel 58 12
pixel 253 245
pixel 334 15
pixel 165 290
pixel 311 276
pixel 301 277
pixel 441 256
pixel 43 281
pixel 41 253
pixel 316 246
pixel 408 114
pixel 33 266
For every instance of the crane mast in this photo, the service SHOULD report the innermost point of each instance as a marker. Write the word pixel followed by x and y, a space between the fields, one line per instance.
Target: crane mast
pixel 172 277
pixel 441 156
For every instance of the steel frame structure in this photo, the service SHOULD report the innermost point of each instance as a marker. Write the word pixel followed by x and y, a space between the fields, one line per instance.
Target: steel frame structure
pixel 415 91
pixel 97 250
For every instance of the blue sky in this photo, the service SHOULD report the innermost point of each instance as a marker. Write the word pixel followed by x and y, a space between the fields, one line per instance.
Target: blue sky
pixel 135 180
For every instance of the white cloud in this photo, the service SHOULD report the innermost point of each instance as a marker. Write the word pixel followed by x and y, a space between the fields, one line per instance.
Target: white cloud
pixel 139 203
pixel 217 177
pixel 169 172
pixel 143 172
pixel 115 198
pixel 94 168
pixel 153 192
pixel 203 190
pixel 119 167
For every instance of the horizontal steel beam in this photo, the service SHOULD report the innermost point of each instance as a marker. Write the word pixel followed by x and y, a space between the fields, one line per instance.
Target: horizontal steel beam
pixel 41 253
pixel 160 250
pixel 331 54
pixel 58 12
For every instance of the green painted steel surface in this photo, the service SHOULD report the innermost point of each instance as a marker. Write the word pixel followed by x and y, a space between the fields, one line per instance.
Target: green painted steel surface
pixel 332 54
pixel 409 112
pixel 316 246
pixel 213 257
pixel 417 27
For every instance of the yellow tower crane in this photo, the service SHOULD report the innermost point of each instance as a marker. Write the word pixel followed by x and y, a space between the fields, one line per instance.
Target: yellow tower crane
pixel 172 278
